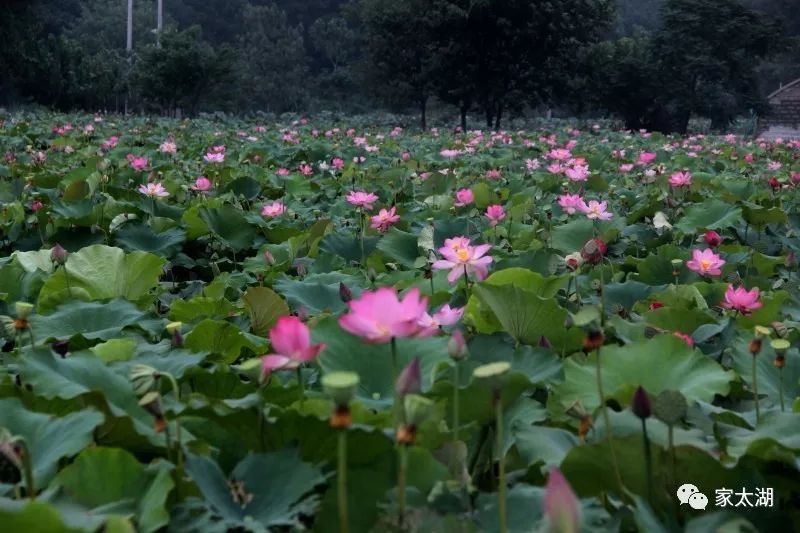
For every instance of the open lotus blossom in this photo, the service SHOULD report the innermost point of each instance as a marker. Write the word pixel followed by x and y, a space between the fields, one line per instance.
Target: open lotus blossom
pixel 464 197
pixel 214 157
pixel 273 210
pixel 380 315
pixel 168 147
pixel 202 184
pixel 577 173
pixel 153 190
pixel 681 179
pixel 137 162
pixel 461 257
pixel 570 203
pixel 494 174
pixel 495 213
pixel 559 154
pixel 626 167
pixel 705 263
pixel 449 153
pixel 742 300
pixel 561 506
pixel 595 210
pixel 362 199
pixel 291 345
pixel 385 219
pixel 645 158
pixel 445 316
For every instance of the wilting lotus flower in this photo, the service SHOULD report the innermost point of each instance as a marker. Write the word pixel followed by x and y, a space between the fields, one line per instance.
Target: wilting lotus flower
pixel 570 203
pixel 378 316
pixel 705 263
pixel 593 251
pixel 561 507
pixel 681 179
pixel 595 210
pixel 153 190
pixel 362 199
pixel 495 214
pixel 273 210
pixel 202 184
pixel 385 219
pixel 742 300
pixel 460 257
pixel 464 197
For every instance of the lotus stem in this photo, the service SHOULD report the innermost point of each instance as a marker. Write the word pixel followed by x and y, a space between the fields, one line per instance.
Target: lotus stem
pixel 402 472
pixel 780 388
pixel 455 400
pixel 501 488
pixel 755 392
pixel 607 422
pixel 177 391
pixel 648 461
pixel 27 470
pixel 344 523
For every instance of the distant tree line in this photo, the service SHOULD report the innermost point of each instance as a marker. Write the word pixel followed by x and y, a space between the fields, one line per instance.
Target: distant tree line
pixel 653 63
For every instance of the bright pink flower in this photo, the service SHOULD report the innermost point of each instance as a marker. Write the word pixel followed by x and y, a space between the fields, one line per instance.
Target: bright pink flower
pixel 495 213
pixel 774 165
pixel 645 158
pixel 749 158
pixel 378 316
pixel 36 205
pixel 137 163
pixel 595 210
pixel 559 154
pixel 561 506
pixel 385 219
pixel 337 163
pixel 681 179
pixel 742 300
pixel 283 172
pixel 577 173
pixel 273 210
pixel 270 363
pixel 447 316
pixel 705 263
pixel 532 164
pixel 306 169
pixel 570 203
pixel 214 157
pixel 555 168
pixel 460 257
pixel 464 197
pixel 362 199
pixel 153 190
pixel 291 339
pixel 202 184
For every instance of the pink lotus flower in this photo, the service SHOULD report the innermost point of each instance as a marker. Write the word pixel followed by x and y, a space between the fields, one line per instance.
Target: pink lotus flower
pixel 283 172
pixel 337 163
pixel 378 316
pixel 214 157
pixel 202 184
pixel 449 153
pixel 570 203
pixel 561 507
pixel 291 340
pixel 36 205
pixel 445 316
pixel 495 213
pixel 577 173
pixel 680 179
pixel 595 210
pixel 627 167
pixel 153 190
pixel 494 174
pixel 168 147
pixel 137 163
pixel 464 197
pixel 645 158
pixel 461 257
pixel 705 263
pixel 712 238
pixel 555 168
pixel 742 300
pixel 385 219
pixel 532 164
pixel 774 165
pixel 559 154
pixel 306 169
pixel 362 199
pixel 273 210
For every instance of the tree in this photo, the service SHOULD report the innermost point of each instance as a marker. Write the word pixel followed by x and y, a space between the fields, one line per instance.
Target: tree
pixel 181 72
pixel 272 60
pixel 335 42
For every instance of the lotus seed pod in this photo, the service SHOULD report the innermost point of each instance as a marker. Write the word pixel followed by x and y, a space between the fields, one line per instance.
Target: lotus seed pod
pixel 340 386
pixel 780 346
pixel 493 375
pixel 23 309
pixel 417 409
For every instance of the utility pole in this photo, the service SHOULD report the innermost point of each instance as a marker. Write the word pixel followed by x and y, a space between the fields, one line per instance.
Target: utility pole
pixel 159 22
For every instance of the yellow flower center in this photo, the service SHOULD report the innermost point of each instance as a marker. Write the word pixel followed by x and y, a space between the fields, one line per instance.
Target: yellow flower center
pixel 705 264
pixel 462 254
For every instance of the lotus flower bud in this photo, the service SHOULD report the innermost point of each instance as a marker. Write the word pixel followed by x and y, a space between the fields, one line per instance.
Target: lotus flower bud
pixel 640 405
pixel 712 238
pixel 561 506
pixel 58 255
pixel 457 346
pixel 593 251
pixel 410 379
pixel 269 258
pixel 573 261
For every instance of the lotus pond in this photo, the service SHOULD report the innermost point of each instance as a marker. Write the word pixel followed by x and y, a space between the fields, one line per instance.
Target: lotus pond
pixel 221 325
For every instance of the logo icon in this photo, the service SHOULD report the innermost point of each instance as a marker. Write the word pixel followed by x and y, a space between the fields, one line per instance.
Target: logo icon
pixel 688 493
